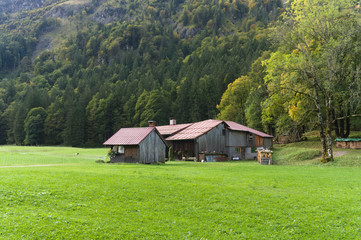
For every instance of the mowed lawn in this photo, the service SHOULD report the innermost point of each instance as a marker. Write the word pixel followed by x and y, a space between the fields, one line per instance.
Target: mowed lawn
pixel 81 199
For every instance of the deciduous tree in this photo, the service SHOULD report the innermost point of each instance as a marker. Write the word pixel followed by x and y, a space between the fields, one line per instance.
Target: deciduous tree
pixel 233 102
pixel 317 57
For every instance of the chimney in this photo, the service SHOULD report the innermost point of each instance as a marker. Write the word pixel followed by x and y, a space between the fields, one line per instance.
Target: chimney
pixel 151 123
pixel 172 121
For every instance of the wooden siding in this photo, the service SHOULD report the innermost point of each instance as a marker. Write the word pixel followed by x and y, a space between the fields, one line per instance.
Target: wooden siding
pixel 152 149
pixel 213 141
pixel 267 143
pixel 131 155
pixel 183 148
pixel 236 139
pixel 350 144
pixel 234 152
pixel 239 144
pixel 258 141
pixel 236 142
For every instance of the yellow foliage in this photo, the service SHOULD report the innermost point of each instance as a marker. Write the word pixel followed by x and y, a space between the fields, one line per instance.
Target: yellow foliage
pixel 295 110
pixel 296 52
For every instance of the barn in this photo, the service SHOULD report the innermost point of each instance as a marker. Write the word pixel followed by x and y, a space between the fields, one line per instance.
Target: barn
pixel 137 145
pixel 199 141
pixel 208 140
pixel 214 140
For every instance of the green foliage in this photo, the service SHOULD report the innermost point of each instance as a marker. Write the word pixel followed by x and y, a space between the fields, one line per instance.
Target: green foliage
pixel 258 94
pixel 18 127
pixel 170 154
pixel 233 102
pixel 34 126
pixel 152 105
pixel 111 154
pixel 313 72
pixel 112 64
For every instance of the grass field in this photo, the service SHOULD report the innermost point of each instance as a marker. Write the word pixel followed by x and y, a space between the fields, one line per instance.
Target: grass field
pixel 81 199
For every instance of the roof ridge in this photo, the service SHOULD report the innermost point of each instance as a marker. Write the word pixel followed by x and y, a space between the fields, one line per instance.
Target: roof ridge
pixel 248 129
pixel 189 134
pixel 129 136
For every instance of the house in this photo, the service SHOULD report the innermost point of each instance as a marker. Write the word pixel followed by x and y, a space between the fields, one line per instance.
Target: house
pixel 137 145
pixel 214 140
pixel 242 142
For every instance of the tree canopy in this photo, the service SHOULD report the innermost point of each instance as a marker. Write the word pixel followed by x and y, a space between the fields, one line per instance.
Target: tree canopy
pixel 98 66
pixel 317 62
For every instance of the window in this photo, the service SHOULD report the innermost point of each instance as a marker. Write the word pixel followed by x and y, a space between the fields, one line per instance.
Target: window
pixel 120 149
pixel 250 139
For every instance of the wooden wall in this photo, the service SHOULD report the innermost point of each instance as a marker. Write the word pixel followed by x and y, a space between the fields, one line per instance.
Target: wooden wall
pixel 183 148
pixel 236 139
pixel 131 155
pixel 235 144
pixel 152 149
pixel 268 143
pixel 348 144
pixel 213 141
pixel 258 141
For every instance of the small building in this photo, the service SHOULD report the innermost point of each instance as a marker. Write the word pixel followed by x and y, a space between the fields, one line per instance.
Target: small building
pixel 137 145
pixel 352 143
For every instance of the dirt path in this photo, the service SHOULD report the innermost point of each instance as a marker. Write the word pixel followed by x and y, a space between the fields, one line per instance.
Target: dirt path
pixel 336 154
pixel 339 153
pixel 42 165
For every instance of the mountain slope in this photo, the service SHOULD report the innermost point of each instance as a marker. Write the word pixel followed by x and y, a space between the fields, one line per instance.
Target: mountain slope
pixel 95 66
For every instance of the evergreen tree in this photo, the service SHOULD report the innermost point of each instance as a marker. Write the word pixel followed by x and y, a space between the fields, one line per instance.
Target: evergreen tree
pixel 34 126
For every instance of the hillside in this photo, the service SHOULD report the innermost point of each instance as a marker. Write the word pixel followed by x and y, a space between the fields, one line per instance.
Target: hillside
pixel 73 72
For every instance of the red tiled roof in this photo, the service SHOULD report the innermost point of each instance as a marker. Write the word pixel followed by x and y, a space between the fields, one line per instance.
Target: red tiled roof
pixel 171 129
pixel 238 127
pixel 195 130
pixel 129 136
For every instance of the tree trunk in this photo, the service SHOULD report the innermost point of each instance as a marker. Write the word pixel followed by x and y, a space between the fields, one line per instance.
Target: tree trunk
pixel 337 130
pixel 329 155
pixel 342 124
pixel 348 124
pixel 320 119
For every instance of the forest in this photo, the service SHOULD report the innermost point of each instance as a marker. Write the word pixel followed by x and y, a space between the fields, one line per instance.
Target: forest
pixel 74 72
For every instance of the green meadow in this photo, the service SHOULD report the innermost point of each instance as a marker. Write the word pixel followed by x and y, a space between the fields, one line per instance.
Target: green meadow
pixel 72 197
